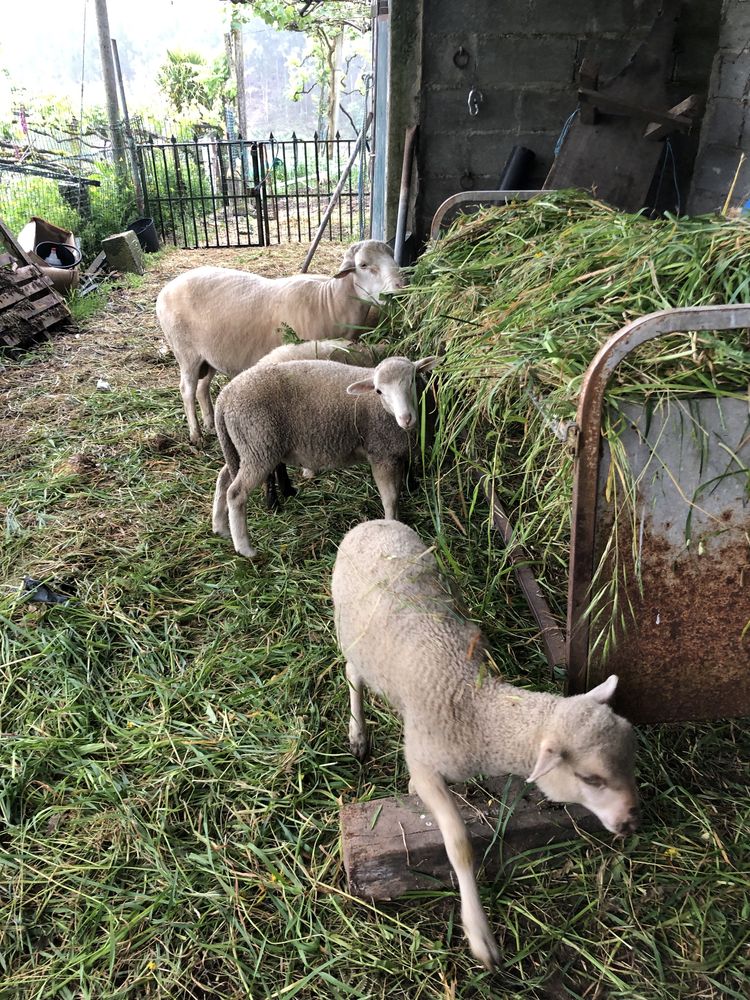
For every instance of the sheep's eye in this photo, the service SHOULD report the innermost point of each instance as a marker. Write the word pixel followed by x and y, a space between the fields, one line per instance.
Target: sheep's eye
pixel 364 265
pixel 379 392
pixel 591 779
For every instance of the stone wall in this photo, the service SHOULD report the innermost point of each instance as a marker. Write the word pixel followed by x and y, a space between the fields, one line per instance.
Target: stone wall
pixel 523 55
pixel 725 134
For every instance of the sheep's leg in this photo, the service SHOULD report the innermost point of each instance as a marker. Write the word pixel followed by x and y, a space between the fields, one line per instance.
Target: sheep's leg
pixel 237 493
pixel 188 385
pixel 220 519
pixel 432 790
pixel 387 476
pixel 284 482
pixel 357 729
pixel 272 497
pixel 203 393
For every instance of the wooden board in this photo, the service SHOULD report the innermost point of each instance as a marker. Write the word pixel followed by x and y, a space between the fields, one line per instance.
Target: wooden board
pixel 608 153
pixel 392 846
pixel 29 306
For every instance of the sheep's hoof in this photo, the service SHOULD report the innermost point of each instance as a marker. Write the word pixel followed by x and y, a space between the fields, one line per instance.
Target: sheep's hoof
pixel 221 530
pixel 247 551
pixel 358 746
pixel 484 949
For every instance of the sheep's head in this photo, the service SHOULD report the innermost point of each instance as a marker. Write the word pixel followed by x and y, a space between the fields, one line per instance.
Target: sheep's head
pixel 394 380
pixel 586 756
pixel 374 270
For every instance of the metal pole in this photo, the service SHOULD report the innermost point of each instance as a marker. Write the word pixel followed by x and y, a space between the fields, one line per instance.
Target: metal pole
pixel 110 86
pixel 335 196
pixel 403 199
pixel 137 183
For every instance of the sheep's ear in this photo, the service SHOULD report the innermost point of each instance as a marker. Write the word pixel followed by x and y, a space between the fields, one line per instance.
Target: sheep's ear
pixel 548 758
pixel 347 264
pixel 358 388
pixel 426 364
pixel 604 692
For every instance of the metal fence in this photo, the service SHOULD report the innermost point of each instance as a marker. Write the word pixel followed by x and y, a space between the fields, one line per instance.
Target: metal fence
pixel 232 193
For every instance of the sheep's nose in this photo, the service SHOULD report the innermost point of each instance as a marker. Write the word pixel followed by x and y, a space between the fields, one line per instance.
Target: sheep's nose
pixel 406 420
pixel 631 824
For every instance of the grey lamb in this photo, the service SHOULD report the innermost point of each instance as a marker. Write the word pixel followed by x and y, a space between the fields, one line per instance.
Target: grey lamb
pixel 318 415
pixel 404 638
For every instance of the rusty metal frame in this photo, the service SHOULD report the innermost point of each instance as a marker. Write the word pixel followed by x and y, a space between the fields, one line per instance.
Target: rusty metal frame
pixel 586 470
pixel 477 198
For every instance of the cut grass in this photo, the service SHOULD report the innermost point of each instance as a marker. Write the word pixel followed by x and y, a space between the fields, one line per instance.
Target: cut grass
pixel 174 748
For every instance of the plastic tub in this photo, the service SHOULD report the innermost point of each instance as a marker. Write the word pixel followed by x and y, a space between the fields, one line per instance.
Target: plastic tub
pixel 68 256
pixel 145 230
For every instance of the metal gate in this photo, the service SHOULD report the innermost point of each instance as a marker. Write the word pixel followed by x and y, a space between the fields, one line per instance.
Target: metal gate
pixel 239 193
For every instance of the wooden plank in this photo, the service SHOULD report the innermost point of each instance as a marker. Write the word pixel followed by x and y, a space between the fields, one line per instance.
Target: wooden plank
pixel 614 106
pixel 691 107
pixel 12 295
pixel 612 158
pixel 392 846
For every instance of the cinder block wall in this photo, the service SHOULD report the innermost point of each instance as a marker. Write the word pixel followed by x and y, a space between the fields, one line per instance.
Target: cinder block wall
pixel 725 134
pixel 523 56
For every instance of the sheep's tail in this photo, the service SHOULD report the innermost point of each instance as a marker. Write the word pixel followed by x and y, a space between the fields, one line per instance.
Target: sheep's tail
pixel 231 455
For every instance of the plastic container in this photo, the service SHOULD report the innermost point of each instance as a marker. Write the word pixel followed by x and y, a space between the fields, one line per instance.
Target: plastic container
pixel 68 256
pixel 145 230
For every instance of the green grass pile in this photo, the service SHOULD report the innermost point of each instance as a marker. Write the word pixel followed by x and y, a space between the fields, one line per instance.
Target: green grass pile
pixel 173 750
pixel 519 299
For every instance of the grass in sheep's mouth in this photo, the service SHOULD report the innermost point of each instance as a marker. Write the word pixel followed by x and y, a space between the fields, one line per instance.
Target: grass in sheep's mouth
pixel 174 750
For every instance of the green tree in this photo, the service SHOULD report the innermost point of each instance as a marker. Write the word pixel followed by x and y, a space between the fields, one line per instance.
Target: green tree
pixel 327 24
pixel 191 84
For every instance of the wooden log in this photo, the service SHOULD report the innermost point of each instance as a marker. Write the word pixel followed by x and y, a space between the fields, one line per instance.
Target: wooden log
pixel 392 846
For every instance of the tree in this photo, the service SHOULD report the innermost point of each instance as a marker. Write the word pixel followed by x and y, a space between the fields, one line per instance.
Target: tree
pixel 327 25
pixel 190 84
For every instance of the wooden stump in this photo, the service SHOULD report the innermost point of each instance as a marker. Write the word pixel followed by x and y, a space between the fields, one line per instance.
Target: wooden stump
pixel 392 846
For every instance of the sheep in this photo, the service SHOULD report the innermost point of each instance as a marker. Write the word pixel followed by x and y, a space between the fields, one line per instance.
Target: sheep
pixel 347 353
pixel 218 319
pixel 317 414
pixel 344 351
pixel 403 637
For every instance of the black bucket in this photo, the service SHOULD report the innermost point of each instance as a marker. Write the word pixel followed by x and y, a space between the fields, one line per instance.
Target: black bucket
pixel 145 230
pixel 68 256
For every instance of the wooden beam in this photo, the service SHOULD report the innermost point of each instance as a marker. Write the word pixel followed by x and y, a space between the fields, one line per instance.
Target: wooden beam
pixel 691 107
pixel 614 106
pixel 392 846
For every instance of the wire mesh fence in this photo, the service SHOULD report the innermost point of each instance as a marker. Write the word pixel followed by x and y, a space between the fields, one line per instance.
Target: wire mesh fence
pixel 204 192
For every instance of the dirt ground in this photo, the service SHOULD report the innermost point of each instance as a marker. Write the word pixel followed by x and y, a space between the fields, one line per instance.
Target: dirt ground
pixel 121 344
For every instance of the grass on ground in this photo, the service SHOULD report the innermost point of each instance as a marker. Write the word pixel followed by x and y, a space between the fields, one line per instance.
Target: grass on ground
pixel 174 751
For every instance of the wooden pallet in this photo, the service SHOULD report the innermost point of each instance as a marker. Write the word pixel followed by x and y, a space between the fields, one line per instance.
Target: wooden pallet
pixel 30 308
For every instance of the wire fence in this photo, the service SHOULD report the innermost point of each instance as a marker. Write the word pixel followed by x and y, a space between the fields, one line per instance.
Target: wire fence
pixel 207 192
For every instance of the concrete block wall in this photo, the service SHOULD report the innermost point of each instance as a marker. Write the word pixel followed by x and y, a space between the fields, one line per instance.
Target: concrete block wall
pixel 725 134
pixel 523 55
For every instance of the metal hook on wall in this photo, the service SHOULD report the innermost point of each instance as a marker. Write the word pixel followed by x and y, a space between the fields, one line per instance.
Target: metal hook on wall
pixel 475 99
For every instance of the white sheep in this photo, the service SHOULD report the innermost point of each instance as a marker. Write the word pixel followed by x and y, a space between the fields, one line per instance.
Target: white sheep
pixel 404 638
pixel 218 319
pixel 344 351
pixel 315 414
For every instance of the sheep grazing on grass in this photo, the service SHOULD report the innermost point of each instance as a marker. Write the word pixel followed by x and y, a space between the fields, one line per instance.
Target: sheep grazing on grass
pixel 344 351
pixel 217 319
pixel 315 414
pixel 404 638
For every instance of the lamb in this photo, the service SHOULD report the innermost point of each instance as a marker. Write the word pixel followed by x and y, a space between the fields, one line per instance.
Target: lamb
pixel 316 414
pixel 345 351
pixel 403 636
pixel 218 319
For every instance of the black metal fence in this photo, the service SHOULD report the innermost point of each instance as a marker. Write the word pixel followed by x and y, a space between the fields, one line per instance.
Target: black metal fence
pixel 231 193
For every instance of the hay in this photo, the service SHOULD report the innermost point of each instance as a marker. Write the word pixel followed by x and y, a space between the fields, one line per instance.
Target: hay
pixel 520 298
